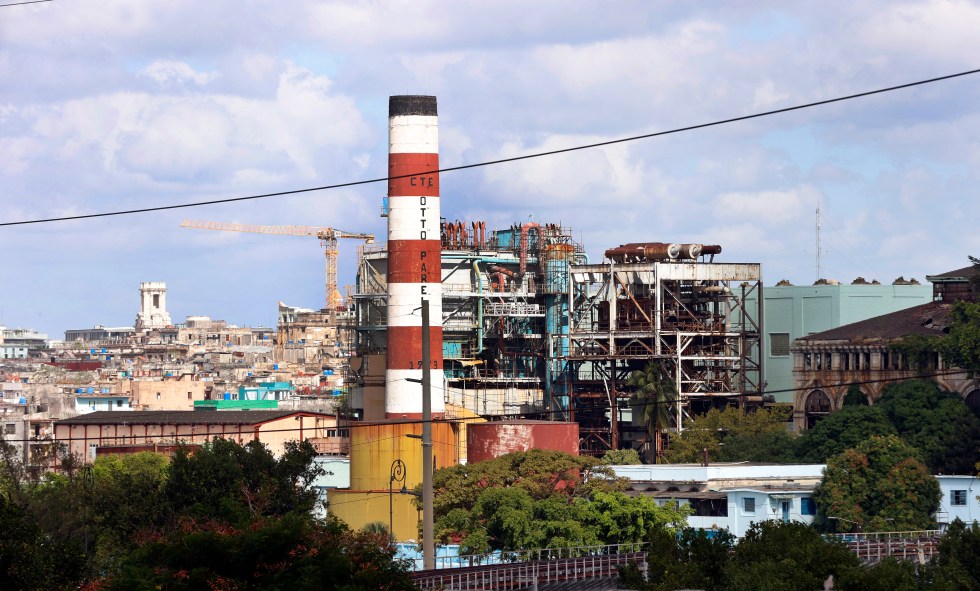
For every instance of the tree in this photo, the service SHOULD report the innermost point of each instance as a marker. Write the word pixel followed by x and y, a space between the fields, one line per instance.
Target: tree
pixel 843 430
pixel 536 499
pixel 732 434
pixel 290 552
pixel 959 557
pixel 29 559
pixel 692 559
pixel 930 420
pixel 961 346
pixel 229 480
pixel 881 485
pixel 653 401
pixel 855 397
pixel 787 556
pixel 621 457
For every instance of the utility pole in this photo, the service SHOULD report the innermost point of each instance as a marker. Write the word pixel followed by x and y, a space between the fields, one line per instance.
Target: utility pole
pixel 428 528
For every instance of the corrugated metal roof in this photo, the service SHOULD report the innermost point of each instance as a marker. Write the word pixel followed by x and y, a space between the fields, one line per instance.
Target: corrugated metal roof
pixel 926 319
pixel 964 273
pixel 183 417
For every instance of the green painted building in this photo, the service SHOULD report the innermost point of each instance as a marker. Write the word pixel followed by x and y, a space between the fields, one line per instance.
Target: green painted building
pixel 794 311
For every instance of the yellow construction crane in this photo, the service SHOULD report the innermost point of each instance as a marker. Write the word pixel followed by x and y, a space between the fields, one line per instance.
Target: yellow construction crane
pixel 328 239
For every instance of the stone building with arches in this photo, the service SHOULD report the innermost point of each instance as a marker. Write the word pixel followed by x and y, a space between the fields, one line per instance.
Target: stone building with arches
pixel 828 363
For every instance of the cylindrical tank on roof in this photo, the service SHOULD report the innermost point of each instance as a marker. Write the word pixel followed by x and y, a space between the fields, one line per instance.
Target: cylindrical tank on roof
pixel 414 254
pixel 485 441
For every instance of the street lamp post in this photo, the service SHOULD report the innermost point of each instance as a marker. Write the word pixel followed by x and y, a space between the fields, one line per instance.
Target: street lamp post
pixel 397 475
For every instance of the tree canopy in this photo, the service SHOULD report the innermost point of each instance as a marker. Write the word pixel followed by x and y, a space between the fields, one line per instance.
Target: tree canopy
pixel 843 430
pixel 881 485
pixel 540 499
pixel 732 434
pixel 223 516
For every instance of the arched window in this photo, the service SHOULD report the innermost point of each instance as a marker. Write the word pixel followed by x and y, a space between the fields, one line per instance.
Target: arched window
pixel 816 407
pixel 973 400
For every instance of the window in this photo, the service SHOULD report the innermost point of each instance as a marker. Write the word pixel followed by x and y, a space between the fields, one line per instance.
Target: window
pixel 779 344
pixel 957 497
pixel 748 504
pixel 119 403
pixel 10 428
pixel 158 396
pixel 189 395
pixel 807 506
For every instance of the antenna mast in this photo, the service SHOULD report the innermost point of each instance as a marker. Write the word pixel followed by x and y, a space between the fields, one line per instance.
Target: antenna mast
pixel 818 240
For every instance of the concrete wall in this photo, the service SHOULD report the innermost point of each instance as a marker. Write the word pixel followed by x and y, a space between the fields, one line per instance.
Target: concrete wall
pixel 166 394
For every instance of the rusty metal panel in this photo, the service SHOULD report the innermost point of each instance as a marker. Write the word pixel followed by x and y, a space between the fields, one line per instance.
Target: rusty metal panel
pixel 485 441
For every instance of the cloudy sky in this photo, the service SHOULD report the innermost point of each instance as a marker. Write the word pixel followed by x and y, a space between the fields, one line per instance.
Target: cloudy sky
pixel 122 104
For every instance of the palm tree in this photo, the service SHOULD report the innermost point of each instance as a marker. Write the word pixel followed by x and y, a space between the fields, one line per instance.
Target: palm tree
pixel 654 396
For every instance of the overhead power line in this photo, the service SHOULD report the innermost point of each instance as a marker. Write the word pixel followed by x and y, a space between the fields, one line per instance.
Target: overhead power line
pixel 23 3
pixel 498 161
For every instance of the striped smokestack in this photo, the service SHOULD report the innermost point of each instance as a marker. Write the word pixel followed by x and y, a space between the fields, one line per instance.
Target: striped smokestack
pixel 414 255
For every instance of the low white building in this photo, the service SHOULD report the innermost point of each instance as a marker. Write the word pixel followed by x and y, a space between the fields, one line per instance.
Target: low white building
pixel 731 496
pixel 959 500
pixel 736 495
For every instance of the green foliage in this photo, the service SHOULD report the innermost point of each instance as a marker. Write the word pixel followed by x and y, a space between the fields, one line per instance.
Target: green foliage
pixel 29 559
pixel 733 435
pixel 652 400
pixel 694 559
pixel 929 419
pixel 958 563
pixel 234 481
pixel 290 552
pixel 620 519
pixel 918 349
pixel 539 472
pixel 787 556
pixel 888 575
pixel 842 430
pixel 961 347
pixel 621 457
pixel 879 486
pixel 855 397
pixel 540 499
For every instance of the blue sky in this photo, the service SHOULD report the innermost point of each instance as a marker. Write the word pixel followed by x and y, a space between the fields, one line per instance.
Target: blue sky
pixel 108 104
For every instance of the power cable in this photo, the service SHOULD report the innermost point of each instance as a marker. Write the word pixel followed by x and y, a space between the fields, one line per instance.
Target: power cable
pixel 23 3
pixel 498 161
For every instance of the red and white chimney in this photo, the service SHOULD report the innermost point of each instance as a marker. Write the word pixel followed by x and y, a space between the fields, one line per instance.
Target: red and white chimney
pixel 414 255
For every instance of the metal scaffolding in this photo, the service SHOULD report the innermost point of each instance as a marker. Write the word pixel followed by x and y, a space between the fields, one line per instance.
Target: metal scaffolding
pixel 689 316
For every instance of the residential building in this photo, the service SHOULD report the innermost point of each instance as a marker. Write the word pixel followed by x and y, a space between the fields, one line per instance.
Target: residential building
pixel 730 496
pixel 733 496
pixel 959 500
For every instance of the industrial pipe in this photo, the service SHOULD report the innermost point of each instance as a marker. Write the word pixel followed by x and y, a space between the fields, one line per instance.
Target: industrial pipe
pixel 658 251
pixel 479 305
pixel 524 231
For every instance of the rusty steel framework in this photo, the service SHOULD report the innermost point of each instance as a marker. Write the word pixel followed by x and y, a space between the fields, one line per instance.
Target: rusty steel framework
pixel 689 315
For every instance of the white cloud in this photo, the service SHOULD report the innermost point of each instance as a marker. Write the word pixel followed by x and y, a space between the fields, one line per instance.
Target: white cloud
pixel 249 97
pixel 768 207
pixel 170 73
